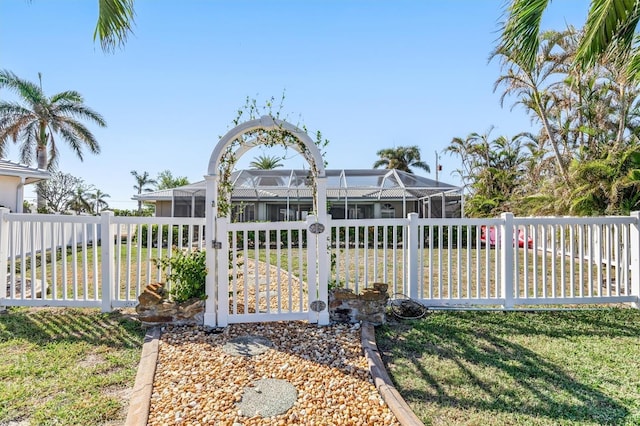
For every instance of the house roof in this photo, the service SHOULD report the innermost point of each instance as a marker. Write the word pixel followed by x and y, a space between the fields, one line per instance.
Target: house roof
pixel 369 184
pixel 31 174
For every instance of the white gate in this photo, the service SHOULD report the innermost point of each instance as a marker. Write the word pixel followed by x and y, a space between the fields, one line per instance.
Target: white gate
pixel 265 271
pixel 268 271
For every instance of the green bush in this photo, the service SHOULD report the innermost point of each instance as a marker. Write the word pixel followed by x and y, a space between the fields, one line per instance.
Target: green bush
pixel 187 274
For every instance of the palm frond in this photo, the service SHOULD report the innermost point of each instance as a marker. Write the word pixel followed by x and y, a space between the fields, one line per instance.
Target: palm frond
pixel 608 22
pixel 520 32
pixel 115 22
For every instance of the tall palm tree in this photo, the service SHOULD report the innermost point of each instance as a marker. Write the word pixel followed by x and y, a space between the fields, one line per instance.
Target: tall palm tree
pixel 610 24
pixel 142 181
pixel 37 118
pixel 98 200
pixel 529 81
pixel 265 162
pixel 401 158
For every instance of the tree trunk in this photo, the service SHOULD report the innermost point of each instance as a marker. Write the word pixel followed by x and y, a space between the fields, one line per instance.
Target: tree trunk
pixel 41 158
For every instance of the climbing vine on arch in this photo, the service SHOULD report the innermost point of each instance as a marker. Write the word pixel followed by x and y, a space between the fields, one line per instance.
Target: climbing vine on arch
pixel 268 138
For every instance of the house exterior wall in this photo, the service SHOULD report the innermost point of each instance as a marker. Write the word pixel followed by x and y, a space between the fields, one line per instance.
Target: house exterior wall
pixel 9 191
pixel 249 211
pixel 163 208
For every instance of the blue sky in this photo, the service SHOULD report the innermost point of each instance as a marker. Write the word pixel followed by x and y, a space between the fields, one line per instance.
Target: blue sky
pixel 368 74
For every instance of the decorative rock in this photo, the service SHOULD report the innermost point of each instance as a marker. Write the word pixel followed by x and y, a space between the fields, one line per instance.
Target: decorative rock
pixel 247 346
pixel 152 294
pixel 267 398
pixel 325 365
pixel 154 309
pixel 370 306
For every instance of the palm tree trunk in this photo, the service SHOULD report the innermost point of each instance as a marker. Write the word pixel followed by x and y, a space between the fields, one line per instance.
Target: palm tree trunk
pixel 554 143
pixel 41 158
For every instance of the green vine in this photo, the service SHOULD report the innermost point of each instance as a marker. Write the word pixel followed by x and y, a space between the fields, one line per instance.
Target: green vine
pixel 269 138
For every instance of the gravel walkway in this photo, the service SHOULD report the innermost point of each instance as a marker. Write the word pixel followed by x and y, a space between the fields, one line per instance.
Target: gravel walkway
pixel 197 382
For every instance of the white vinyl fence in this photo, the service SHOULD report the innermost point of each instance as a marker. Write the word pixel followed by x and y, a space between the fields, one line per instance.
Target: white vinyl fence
pixel 506 262
pixel 86 261
pixel 501 262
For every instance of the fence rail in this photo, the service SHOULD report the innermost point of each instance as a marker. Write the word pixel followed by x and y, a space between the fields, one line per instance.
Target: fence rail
pixel 105 261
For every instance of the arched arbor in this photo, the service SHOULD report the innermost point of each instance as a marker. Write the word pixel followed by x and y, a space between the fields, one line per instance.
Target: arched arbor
pixel 238 293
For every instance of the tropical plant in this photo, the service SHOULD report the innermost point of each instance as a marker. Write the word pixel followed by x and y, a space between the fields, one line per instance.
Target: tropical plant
pixel 166 180
pixel 187 273
pixel 80 203
pixel 36 120
pixel 401 158
pixel 98 200
pixel 143 180
pixel 115 22
pixel 265 162
pixel 532 83
pixel 493 170
pixel 610 25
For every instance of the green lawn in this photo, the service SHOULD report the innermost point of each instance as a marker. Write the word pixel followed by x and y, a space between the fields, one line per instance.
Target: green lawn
pixel 518 368
pixel 71 278
pixel 67 366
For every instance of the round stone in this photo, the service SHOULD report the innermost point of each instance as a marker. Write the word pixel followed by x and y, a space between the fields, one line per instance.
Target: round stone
pixel 267 398
pixel 247 345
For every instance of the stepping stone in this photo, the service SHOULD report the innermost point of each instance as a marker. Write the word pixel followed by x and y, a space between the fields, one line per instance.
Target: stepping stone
pixel 247 345
pixel 267 398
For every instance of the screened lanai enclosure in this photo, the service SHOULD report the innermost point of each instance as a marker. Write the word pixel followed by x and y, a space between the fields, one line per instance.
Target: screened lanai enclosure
pixel 286 195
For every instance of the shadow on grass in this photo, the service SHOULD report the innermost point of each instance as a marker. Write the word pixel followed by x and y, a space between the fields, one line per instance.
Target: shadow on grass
pixel 472 361
pixel 70 325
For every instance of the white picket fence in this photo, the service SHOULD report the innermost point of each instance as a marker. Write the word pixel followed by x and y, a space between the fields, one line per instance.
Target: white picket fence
pixel 86 261
pixel 532 261
pixel 106 261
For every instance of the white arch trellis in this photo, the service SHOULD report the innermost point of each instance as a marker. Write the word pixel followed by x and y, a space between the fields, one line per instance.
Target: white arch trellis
pixel 217 286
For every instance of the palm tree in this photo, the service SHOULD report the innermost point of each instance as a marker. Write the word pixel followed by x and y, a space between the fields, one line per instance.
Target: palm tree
pixel 115 21
pixel 142 181
pixel 401 158
pixel 36 120
pixel 610 24
pixel 265 162
pixel 529 82
pixel 98 200
pixel 80 202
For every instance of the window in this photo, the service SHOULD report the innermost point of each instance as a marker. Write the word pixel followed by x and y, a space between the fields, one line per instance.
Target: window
pixel 388 211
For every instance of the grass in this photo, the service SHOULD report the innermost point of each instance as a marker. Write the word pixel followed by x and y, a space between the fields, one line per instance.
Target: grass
pixel 518 368
pixel 73 280
pixel 446 273
pixel 67 366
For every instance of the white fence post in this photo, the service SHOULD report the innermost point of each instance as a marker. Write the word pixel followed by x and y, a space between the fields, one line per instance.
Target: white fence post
pixel 507 243
pixel 4 252
pixel 312 268
pixel 412 255
pixel 210 234
pixel 107 243
pixel 635 258
pixel 324 268
pixel 220 298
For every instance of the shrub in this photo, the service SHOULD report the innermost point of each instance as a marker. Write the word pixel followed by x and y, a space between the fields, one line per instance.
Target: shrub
pixel 187 274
